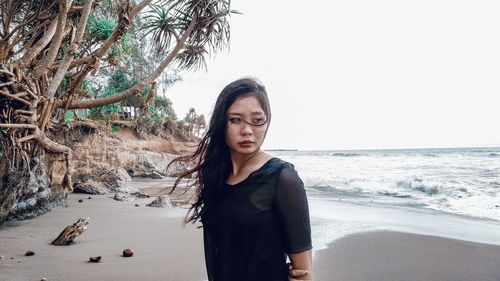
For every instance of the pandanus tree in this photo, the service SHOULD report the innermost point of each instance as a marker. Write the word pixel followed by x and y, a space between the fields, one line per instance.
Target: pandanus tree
pixel 46 53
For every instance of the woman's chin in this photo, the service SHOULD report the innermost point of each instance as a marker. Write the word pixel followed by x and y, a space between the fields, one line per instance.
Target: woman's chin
pixel 245 150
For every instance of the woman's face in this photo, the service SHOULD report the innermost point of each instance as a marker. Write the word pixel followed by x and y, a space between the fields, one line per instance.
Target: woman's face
pixel 246 125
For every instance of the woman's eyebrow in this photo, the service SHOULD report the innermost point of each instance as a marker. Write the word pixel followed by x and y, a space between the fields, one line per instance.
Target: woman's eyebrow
pixel 239 114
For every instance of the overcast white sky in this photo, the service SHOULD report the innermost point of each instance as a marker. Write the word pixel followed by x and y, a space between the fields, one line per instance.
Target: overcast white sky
pixel 363 74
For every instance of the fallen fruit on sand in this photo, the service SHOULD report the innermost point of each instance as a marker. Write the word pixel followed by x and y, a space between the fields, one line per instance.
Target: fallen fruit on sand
pixel 137 205
pixel 90 197
pixel 128 253
pixel 81 200
pixel 95 259
pixel 29 253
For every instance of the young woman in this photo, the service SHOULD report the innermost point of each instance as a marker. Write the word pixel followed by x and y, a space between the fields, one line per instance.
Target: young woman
pixel 252 206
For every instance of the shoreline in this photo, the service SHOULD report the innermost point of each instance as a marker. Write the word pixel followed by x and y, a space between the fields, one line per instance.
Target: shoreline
pixel 358 217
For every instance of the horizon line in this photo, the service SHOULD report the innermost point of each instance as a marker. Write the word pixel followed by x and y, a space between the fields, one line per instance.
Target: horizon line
pixel 358 149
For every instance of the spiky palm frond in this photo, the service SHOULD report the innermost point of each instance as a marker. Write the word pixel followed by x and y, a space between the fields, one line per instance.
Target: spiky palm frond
pixel 192 57
pixel 169 20
pixel 100 27
pixel 211 29
pixel 162 23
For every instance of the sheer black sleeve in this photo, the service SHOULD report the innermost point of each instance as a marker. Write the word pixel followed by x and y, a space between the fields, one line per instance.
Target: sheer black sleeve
pixel 293 211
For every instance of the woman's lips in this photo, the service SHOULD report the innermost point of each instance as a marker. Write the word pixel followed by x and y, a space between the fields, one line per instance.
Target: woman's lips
pixel 246 143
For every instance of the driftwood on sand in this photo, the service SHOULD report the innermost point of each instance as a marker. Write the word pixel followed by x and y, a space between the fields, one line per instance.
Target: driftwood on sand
pixel 69 234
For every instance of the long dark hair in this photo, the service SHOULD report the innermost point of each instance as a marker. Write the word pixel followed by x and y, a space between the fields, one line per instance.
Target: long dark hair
pixel 212 156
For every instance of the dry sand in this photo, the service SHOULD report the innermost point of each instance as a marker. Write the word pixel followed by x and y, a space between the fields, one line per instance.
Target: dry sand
pixel 165 250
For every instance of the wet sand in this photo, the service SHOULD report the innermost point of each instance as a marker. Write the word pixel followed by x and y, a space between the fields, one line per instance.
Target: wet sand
pixel 397 256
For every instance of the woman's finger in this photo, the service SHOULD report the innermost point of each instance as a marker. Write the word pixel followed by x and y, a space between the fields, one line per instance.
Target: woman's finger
pixel 298 272
pixel 293 279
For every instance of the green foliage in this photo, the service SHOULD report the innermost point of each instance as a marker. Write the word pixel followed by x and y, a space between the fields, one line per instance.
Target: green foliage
pixel 115 128
pixel 87 87
pixel 193 122
pixel 78 3
pixel 118 83
pixel 163 108
pixel 100 27
pixel 162 23
pixel 69 115
pixel 145 91
pixel 86 84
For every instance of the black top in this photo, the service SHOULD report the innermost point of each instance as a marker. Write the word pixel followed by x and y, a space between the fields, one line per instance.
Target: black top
pixel 256 223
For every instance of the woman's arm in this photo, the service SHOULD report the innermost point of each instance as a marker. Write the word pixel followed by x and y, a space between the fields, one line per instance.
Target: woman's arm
pixel 293 214
pixel 301 266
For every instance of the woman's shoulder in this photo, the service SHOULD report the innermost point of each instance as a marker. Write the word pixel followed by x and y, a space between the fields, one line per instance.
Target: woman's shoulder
pixel 277 165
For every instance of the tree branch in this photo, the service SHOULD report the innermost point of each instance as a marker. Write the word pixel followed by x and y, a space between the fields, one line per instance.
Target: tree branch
pixel 23 112
pixel 15 98
pixel 29 20
pixel 126 19
pixel 16 40
pixel 26 138
pixel 135 90
pixel 68 57
pixel 38 47
pixel 18 126
pixel 55 44
pixel 48 144
pixel 139 8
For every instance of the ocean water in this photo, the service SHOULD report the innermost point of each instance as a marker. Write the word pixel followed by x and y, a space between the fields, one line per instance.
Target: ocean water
pixel 453 192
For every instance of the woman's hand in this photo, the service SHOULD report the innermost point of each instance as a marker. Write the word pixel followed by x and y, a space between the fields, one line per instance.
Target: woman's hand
pixel 300 266
pixel 293 273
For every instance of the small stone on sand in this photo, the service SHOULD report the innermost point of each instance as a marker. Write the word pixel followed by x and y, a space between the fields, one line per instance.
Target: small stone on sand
pixel 128 253
pixel 29 253
pixel 43 279
pixel 80 200
pixel 137 205
pixel 95 259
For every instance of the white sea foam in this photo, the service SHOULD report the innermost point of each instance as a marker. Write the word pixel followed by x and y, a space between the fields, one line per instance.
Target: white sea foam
pixel 458 181
pixel 453 193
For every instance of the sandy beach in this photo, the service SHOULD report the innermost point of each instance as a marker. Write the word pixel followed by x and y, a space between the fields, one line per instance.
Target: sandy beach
pixel 398 256
pixel 163 248
pixel 167 250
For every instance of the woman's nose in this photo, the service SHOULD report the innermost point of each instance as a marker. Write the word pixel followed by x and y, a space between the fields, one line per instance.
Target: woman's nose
pixel 246 129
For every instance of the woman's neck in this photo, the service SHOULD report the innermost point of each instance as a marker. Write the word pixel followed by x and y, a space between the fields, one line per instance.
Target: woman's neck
pixel 241 161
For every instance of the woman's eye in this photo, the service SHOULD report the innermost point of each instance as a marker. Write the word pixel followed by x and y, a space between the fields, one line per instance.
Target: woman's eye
pixel 235 120
pixel 258 121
